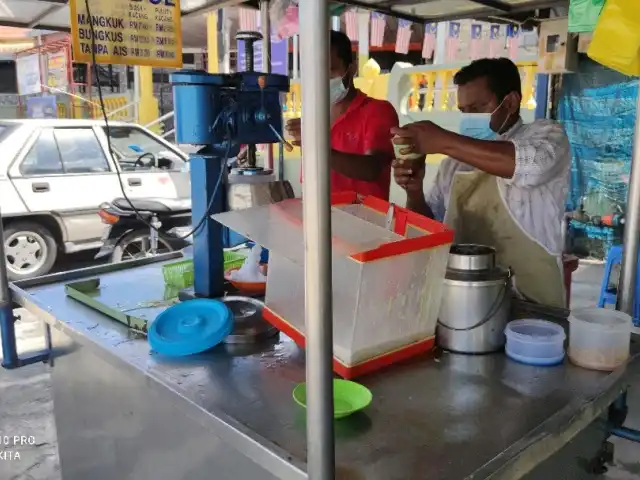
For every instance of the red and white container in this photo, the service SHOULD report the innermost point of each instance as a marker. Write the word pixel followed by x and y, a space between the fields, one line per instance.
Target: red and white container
pixel 388 271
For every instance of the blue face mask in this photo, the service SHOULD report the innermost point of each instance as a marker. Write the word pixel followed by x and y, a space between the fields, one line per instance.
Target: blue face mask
pixel 478 125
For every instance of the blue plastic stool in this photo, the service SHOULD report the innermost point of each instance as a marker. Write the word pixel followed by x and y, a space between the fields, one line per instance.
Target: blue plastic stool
pixel 609 296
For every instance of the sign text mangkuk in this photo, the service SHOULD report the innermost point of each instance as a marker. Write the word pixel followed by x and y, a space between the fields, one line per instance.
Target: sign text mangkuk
pixel 127 32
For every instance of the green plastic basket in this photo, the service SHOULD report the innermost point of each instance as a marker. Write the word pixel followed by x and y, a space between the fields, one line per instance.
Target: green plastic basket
pixel 233 260
pixel 180 274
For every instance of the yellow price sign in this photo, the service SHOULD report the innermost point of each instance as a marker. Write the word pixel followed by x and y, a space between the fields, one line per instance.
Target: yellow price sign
pixel 127 32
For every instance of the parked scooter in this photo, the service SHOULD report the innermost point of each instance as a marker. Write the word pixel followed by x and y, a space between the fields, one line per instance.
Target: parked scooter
pixel 158 226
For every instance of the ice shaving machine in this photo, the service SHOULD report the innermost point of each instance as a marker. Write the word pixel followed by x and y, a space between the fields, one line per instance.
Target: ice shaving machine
pixel 221 112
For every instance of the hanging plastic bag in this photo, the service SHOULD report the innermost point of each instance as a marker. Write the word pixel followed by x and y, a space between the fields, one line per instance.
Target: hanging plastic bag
pixel 583 15
pixel 250 270
pixel 284 17
pixel 290 24
pixel 616 39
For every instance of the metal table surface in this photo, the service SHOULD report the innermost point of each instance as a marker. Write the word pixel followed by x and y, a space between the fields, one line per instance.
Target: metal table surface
pixel 454 416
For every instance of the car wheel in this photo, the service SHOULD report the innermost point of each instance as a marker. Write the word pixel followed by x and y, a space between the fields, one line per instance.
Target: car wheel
pixel 30 249
pixel 137 244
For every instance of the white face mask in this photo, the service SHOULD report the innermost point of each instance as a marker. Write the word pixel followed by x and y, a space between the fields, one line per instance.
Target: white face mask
pixel 337 90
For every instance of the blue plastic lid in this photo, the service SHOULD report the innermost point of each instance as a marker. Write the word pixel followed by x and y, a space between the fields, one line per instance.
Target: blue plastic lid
pixel 535 331
pixel 190 327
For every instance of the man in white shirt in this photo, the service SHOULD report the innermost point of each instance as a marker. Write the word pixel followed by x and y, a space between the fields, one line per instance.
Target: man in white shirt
pixel 503 184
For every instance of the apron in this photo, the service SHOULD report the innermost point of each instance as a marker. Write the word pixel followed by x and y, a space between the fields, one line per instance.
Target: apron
pixel 478 214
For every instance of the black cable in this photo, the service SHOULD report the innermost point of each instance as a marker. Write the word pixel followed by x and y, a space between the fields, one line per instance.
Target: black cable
pixel 106 122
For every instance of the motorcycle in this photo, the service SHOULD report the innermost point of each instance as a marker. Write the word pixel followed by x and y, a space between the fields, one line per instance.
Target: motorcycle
pixel 139 228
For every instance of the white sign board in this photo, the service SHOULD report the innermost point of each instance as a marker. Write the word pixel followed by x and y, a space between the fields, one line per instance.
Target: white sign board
pixel 28 72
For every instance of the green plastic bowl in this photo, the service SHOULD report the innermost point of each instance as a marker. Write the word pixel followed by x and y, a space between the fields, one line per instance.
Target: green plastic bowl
pixel 348 397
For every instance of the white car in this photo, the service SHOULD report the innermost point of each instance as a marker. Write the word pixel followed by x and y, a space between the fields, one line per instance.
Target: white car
pixel 54 174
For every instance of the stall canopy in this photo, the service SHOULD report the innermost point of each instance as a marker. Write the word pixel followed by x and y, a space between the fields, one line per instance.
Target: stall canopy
pixel 440 10
pixel 54 14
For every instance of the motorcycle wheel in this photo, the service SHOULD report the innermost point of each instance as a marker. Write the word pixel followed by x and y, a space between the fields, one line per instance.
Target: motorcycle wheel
pixel 137 244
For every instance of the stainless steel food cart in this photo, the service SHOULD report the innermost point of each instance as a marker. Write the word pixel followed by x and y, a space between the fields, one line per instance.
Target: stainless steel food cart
pixel 123 412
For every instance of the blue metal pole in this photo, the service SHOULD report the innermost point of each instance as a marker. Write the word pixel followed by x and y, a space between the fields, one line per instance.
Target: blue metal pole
pixel 10 357
pixel 617 416
pixel 621 402
pixel 627 433
pixel 9 350
pixel 208 256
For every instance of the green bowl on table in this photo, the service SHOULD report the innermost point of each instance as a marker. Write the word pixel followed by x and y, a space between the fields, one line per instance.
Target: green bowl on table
pixel 348 397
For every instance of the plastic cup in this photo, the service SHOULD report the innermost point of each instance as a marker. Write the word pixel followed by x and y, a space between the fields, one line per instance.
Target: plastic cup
pixel 407 156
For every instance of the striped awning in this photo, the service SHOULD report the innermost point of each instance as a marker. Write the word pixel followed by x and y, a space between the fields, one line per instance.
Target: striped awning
pixel 15 47
pixel 14 40
pixel 13 33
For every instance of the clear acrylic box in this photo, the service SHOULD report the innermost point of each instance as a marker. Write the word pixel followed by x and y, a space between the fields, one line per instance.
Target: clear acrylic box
pixel 388 271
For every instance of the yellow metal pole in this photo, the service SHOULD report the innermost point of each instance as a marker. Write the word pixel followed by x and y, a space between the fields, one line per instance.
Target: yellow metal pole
pixel 148 110
pixel 212 42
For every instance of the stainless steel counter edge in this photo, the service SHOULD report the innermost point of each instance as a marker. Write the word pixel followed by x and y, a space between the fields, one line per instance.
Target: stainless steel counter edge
pixel 258 449
pixel 93 271
pixel 557 431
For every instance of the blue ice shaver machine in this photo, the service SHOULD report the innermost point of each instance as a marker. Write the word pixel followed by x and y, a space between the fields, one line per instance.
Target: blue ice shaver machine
pixel 221 112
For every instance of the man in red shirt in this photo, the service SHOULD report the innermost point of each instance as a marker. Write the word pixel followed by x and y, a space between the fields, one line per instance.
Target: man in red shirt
pixel 361 148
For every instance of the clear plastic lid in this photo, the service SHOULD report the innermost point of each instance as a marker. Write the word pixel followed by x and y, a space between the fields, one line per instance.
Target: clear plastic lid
pixel 279 227
pixel 535 331
pixel 601 318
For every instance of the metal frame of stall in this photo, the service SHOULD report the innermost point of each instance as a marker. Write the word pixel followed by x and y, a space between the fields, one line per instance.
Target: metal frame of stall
pixel 314 25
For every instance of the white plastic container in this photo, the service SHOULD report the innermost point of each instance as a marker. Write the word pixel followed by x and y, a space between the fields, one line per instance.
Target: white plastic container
pixel 599 338
pixel 535 342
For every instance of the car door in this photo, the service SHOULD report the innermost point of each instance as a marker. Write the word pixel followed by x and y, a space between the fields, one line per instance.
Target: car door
pixel 66 172
pixel 12 140
pixel 149 166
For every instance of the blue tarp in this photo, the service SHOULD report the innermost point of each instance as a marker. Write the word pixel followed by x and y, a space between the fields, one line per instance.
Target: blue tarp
pixel 598 109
